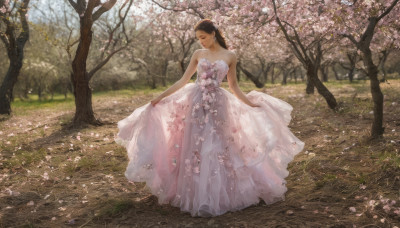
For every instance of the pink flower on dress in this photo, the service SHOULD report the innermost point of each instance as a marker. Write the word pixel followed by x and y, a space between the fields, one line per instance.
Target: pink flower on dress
pixel 204 64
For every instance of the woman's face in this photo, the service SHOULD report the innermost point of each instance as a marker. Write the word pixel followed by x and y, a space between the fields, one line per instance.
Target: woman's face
pixel 206 40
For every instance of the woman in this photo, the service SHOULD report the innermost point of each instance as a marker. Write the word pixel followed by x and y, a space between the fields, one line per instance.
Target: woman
pixel 205 150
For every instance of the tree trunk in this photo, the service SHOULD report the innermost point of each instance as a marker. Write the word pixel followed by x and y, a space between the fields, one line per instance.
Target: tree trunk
pixel 80 77
pixel 309 85
pixel 335 72
pixel 324 72
pixel 80 80
pixel 385 54
pixel 377 95
pixel 322 90
pixel 164 73
pixel 351 74
pixel 83 103
pixel 295 74
pixel 353 58
pixel 6 89
pixel 39 92
pixel 250 76
pixel 273 74
pixel 284 77
pixel 182 65
pixel 15 51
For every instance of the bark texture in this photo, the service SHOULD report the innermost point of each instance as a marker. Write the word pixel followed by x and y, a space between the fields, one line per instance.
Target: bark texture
pixel 15 51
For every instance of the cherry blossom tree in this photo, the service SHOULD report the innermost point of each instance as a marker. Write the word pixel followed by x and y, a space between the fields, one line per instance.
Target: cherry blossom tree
pixel 307 28
pixel 14 33
pixel 359 21
pixel 89 12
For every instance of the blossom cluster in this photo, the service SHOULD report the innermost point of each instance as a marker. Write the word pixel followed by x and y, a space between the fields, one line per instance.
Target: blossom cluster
pixel 208 84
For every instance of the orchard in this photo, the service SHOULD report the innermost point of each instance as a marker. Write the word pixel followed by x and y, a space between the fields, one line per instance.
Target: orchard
pixel 70 70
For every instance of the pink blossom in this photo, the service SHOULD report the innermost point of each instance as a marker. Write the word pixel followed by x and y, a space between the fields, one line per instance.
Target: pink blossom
pixel 3 9
pixel 352 209
pixel 45 176
pixel 386 208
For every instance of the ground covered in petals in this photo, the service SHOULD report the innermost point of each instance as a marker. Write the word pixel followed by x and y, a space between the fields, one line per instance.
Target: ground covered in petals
pixel 52 175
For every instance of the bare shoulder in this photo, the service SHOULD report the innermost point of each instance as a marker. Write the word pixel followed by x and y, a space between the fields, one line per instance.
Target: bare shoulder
pixel 198 53
pixel 231 55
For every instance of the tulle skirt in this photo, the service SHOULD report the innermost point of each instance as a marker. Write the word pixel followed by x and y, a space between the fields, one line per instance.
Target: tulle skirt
pixel 208 160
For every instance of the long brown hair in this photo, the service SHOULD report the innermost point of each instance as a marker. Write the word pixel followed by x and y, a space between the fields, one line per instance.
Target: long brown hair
pixel 208 26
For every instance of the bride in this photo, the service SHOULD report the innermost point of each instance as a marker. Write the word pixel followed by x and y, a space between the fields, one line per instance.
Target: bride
pixel 206 150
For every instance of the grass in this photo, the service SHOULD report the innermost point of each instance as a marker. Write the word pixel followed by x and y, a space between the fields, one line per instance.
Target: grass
pixel 389 160
pixel 25 158
pixel 25 107
pixel 115 207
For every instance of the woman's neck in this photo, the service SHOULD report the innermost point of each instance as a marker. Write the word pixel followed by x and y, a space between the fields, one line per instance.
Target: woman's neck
pixel 215 48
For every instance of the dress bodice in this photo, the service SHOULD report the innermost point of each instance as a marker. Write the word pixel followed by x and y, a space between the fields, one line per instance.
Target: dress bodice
pixel 209 78
pixel 211 74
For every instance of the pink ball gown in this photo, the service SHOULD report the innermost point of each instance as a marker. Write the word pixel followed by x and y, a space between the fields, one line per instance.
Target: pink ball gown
pixel 207 152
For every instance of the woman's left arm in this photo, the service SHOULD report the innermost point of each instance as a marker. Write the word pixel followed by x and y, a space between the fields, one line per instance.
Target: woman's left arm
pixel 234 86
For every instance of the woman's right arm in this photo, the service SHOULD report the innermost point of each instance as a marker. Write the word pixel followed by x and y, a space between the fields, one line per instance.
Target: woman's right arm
pixel 234 86
pixel 190 70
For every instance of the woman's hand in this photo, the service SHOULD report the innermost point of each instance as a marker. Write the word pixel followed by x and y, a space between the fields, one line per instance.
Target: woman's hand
pixel 155 101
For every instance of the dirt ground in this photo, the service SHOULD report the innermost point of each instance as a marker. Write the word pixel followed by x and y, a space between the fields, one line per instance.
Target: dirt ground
pixel 56 176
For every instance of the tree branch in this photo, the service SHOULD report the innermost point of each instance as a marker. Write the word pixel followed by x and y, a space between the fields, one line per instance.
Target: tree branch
pixel 3 35
pixel 102 63
pixel 74 5
pixel 3 38
pixel 294 46
pixel 195 10
pixel 387 11
pixel 24 35
pixel 351 38
pixel 104 8
pixel 296 35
